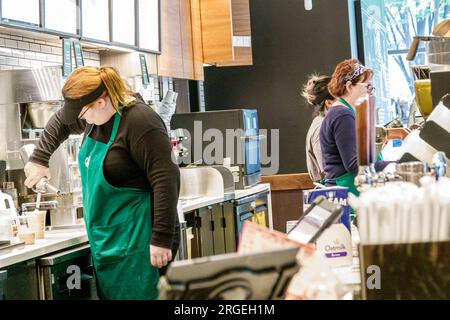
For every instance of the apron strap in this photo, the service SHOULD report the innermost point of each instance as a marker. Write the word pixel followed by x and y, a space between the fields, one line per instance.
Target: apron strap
pixel 117 118
pixel 347 105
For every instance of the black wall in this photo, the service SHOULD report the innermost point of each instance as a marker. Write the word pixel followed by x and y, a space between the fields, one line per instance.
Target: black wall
pixel 289 43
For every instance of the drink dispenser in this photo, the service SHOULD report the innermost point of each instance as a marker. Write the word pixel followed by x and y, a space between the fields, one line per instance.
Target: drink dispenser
pixel 366 146
pixel 30 97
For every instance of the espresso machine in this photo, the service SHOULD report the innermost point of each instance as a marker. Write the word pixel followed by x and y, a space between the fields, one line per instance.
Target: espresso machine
pixel 224 137
pixel 29 99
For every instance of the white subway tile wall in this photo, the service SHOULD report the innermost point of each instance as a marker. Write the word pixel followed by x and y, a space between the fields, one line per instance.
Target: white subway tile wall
pixel 18 52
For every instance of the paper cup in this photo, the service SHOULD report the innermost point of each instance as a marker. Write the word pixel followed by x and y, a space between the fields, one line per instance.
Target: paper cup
pixel 36 223
pixel 27 237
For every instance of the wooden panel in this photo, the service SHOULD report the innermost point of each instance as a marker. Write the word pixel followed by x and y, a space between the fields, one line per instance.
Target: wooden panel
pixel 181 86
pixel 298 181
pixel 241 17
pixel 170 62
pixel 241 28
pixel 286 206
pixel 243 56
pixel 197 40
pixel 186 39
pixel 217 30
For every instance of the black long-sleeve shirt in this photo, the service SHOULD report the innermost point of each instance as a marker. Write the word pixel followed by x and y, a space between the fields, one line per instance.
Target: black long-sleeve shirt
pixel 140 157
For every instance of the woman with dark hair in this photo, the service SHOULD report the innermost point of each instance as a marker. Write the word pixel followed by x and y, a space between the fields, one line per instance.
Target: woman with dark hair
pixel 349 82
pixel 315 91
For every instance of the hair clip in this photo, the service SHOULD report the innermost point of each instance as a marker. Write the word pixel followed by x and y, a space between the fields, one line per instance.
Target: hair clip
pixel 359 70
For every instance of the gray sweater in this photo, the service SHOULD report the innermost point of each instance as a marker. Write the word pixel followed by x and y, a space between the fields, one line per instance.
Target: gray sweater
pixel 313 150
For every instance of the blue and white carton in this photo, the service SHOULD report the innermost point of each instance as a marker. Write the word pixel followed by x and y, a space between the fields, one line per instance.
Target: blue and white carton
pixel 335 244
pixel 337 195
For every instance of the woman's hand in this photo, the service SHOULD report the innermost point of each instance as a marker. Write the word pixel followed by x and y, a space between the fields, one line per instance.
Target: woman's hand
pixel 160 257
pixel 34 173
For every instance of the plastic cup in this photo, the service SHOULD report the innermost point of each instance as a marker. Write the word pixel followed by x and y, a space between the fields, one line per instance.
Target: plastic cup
pixel 36 223
pixel 27 237
pixel 424 101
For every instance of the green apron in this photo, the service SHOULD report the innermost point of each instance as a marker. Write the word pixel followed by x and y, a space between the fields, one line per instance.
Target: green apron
pixel 119 228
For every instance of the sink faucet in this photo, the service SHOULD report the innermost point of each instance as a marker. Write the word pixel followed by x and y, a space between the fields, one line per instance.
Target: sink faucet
pixel 44 205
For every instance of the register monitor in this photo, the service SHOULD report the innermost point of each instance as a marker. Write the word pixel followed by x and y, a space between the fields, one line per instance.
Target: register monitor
pixel 256 276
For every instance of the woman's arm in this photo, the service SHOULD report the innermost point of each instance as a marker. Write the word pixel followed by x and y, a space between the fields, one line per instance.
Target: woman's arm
pixel 55 133
pixel 153 153
pixel 345 137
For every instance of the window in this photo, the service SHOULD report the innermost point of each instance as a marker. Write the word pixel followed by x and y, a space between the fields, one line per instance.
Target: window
pixel 95 19
pixel 124 21
pixel 61 15
pixel 388 30
pixel 149 24
pixel 14 10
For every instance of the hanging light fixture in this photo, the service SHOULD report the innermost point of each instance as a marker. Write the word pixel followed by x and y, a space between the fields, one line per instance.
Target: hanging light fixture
pixel 308 5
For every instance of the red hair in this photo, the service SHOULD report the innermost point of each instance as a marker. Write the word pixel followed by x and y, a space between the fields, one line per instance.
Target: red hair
pixel 342 72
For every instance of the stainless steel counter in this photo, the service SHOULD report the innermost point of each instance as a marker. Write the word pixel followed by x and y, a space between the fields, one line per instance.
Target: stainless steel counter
pixel 190 205
pixel 239 194
pixel 56 240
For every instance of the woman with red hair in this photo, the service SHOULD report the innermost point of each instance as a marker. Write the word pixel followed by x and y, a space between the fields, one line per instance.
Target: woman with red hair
pixel 349 82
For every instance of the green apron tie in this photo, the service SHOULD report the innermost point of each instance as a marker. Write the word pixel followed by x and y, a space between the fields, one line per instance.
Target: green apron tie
pixel 119 228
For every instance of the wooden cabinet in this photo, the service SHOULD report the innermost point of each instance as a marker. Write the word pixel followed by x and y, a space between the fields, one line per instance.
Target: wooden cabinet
pixel 170 61
pixel 186 39
pixel 178 58
pixel 194 32
pixel 197 44
pixel 226 32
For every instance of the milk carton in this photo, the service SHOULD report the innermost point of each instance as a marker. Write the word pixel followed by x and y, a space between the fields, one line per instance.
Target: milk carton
pixel 335 244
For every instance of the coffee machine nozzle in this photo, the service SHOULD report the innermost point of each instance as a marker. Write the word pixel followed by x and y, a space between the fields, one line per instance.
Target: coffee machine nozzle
pixel 44 186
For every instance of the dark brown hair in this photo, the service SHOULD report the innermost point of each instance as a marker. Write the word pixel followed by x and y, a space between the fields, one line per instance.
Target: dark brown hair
pixel 345 71
pixel 315 92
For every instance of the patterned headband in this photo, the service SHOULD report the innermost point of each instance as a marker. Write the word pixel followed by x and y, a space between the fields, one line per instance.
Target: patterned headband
pixel 359 70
